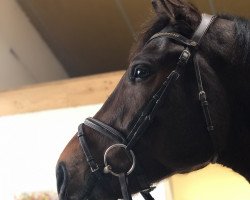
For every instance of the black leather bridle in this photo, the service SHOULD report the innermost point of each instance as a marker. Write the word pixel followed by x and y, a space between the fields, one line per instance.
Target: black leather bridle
pixel 147 115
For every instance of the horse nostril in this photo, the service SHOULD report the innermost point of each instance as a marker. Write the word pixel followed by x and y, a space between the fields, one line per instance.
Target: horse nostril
pixel 62 177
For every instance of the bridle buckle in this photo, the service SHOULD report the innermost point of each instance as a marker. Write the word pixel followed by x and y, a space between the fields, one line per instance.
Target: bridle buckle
pixel 95 168
pixel 185 56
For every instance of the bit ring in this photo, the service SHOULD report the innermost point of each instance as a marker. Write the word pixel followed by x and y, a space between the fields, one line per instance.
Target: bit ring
pixel 108 168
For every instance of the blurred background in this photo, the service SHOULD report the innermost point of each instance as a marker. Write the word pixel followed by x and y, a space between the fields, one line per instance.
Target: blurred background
pixel 53 54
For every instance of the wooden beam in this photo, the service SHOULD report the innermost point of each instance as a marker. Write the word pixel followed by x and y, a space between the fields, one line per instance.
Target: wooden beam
pixel 60 94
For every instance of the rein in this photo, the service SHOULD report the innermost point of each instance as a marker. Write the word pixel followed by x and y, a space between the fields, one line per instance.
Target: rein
pixel 145 118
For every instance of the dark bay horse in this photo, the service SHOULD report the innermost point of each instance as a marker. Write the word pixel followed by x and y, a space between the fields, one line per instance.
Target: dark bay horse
pixel 178 139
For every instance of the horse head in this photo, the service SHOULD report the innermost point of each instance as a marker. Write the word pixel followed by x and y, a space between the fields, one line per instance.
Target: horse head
pixel 176 139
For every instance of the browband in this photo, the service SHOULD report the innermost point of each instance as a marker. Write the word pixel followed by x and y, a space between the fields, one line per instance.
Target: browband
pixel 175 36
pixel 202 29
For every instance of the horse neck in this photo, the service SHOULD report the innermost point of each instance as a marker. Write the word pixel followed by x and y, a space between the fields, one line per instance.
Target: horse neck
pixel 234 76
pixel 235 79
pixel 236 154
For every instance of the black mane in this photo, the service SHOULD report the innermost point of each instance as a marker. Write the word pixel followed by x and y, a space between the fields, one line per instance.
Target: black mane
pixel 242 39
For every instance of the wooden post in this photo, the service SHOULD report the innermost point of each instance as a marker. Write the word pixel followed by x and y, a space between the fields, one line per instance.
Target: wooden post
pixel 60 94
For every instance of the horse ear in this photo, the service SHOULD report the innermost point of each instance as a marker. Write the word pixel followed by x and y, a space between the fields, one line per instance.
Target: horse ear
pixel 178 10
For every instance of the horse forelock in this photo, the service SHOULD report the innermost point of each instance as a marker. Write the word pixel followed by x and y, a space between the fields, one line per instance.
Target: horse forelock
pixel 156 24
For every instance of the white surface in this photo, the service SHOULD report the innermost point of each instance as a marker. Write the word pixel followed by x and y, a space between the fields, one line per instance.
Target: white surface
pixel 30 145
pixel 24 56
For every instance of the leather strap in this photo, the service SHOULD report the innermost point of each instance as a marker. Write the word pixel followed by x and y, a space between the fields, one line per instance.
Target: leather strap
pixel 206 22
pixel 175 36
pixel 90 159
pixel 150 110
pixel 147 196
pixel 95 175
pixel 202 29
pixel 206 111
pixel 124 187
pixel 106 130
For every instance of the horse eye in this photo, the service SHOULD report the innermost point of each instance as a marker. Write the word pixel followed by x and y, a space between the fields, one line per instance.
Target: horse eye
pixel 141 73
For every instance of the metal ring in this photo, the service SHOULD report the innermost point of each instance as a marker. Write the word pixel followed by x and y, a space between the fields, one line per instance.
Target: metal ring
pixel 108 169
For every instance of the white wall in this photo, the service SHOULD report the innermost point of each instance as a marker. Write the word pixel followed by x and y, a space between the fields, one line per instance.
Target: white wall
pixel 24 56
pixel 30 145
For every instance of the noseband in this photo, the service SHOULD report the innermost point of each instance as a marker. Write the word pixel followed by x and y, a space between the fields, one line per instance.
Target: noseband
pixel 145 118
